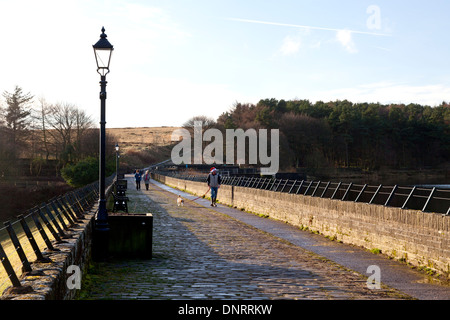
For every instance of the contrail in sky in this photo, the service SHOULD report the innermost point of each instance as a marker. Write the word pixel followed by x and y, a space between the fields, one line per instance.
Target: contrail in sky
pixel 307 27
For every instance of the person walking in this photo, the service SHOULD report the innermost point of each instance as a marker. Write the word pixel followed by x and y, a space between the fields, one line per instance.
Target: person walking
pixel 137 177
pixel 214 180
pixel 146 179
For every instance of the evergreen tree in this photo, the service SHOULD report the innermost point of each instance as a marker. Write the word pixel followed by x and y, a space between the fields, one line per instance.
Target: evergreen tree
pixel 17 116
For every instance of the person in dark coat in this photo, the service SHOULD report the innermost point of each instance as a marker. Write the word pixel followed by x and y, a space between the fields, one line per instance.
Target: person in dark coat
pixel 137 177
pixel 214 180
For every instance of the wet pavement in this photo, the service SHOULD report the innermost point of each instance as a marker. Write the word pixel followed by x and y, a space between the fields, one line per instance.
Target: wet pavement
pixel 201 252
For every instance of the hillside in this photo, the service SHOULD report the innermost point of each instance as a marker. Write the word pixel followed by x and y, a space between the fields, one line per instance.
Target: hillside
pixel 141 138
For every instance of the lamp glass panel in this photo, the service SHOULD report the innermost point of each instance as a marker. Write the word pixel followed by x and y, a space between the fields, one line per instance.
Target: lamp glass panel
pixel 103 58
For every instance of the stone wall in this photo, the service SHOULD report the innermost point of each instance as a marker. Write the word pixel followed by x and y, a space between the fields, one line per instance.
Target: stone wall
pixel 48 280
pixel 416 237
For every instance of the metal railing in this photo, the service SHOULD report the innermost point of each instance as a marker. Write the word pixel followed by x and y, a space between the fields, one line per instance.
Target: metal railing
pixel 426 199
pixel 37 230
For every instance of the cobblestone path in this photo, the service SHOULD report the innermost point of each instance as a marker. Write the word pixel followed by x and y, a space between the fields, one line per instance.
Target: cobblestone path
pixel 199 253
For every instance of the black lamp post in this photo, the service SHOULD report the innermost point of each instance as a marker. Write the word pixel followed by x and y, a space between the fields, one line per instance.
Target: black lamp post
pixel 117 161
pixel 103 50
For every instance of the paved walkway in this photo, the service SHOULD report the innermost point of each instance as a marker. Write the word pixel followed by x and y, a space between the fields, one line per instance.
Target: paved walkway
pixel 200 252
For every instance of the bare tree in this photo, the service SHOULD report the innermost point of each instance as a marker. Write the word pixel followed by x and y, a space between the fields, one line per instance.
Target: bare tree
pixel 206 122
pixel 83 123
pixel 41 116
pixel 69 124
pixel 61 120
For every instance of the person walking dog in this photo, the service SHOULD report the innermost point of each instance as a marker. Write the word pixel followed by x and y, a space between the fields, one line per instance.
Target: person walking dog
pixel 214 180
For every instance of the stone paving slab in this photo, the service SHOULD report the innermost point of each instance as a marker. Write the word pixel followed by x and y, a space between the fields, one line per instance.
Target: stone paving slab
pixel 395 274
pixel 202 253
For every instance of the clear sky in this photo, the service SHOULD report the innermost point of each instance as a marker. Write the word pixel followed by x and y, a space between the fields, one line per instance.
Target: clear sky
pixel 175 59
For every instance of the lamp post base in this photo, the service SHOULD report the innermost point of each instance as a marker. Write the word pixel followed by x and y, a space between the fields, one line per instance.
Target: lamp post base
pixel 100 241
pixel 101 220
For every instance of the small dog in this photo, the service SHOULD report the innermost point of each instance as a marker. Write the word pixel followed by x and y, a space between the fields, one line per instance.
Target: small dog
pixel 180 201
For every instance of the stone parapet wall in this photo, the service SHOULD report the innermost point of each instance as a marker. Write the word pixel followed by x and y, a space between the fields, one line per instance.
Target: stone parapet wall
pixel 49 280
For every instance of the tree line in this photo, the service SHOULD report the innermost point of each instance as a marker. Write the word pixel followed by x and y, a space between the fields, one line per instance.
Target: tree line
pixel 38 132
pixel 370 136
